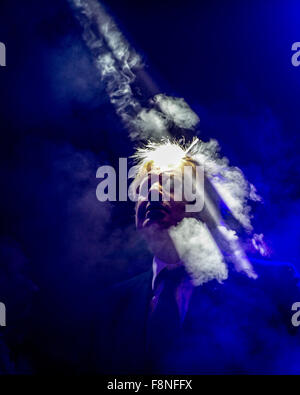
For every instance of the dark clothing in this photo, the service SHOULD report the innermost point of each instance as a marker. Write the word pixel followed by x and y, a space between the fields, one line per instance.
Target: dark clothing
pixel 240 326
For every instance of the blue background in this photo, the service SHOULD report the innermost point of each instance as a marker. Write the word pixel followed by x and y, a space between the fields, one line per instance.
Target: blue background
pixel 59 246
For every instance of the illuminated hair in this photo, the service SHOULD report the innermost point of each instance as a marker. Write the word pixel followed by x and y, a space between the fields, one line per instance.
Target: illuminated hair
pixel 162 155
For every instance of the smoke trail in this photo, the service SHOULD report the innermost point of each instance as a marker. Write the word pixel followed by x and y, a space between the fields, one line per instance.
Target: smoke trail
pixel 113 56
pixel 229 188
pixel 229 181
pixel 118 64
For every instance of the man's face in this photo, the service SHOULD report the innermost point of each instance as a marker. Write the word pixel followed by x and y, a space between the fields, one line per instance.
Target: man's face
pixel 161 199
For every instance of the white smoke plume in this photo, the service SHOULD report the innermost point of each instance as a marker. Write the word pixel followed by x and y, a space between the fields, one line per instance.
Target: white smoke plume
pixel 235 253
pixel 149 124
pixel 229 181
pixel 156 122
pixel 236 191
pixel 116 61
pixel 114 58
pixel 177 110
pixel 197 249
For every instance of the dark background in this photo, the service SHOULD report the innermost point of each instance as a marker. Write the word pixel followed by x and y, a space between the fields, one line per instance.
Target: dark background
pixel 59 246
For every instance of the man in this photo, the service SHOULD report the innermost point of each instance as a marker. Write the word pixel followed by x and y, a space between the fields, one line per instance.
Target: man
pixel 193 312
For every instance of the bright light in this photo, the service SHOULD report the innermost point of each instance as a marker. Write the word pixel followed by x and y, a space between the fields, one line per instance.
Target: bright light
pixel 163 156
pixel 167 156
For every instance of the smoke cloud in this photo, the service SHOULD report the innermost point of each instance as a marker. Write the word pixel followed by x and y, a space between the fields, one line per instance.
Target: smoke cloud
pixel 199 252
pixel 177 110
